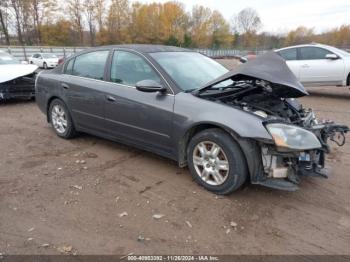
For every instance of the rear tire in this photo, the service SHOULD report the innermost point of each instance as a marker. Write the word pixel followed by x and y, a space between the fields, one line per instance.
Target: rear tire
pixel 216 161
pixel 348 80
pixel 61 119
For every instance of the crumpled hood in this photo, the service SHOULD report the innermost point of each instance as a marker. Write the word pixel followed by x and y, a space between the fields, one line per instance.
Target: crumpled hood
pixel 269 67
pixel 13 71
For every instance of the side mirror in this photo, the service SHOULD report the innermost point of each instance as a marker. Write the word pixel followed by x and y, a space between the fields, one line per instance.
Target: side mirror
pixel 332 56
pixel 150 86
pixel 243 59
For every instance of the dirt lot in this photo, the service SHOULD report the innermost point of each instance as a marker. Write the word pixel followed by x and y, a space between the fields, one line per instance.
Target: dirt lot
pixel 59 196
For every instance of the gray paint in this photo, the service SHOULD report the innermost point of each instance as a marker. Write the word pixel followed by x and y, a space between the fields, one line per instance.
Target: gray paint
pixel 157 122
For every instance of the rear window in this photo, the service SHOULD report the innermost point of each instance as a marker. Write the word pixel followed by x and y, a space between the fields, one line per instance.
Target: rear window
pixel 90 65
pixel 289 54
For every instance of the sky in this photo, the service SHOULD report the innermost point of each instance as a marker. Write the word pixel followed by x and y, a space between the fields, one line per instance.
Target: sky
pixel 280 16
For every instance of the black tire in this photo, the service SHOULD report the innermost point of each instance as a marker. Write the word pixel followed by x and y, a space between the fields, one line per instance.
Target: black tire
pixel 238 171
pixel 348 80
pixel 31 62
pixel 44 65
pixel 69 131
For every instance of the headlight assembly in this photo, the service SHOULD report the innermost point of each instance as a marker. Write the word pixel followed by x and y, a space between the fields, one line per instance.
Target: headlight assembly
pixel 293 137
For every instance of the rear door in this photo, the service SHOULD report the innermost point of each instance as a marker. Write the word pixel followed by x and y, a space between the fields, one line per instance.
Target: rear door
pixel 139 117
pixel 315 68
pixel 83 84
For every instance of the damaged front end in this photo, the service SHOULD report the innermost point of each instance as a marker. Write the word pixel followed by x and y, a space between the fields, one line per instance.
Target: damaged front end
pixel 267 88
pixel 22 87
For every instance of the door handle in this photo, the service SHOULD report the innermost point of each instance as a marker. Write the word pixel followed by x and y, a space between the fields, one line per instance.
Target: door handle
pixel 65 86
pixel 110 98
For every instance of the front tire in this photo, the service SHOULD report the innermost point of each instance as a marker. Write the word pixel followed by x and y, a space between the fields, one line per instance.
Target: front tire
pixel 61 119
pixel 216 161
pixel 44 65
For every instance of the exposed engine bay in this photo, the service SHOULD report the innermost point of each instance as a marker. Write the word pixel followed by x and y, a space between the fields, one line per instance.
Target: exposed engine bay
pixel 283 163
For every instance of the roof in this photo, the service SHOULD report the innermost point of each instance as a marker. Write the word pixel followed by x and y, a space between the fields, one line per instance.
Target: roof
pixel 150 48
pixel 305 45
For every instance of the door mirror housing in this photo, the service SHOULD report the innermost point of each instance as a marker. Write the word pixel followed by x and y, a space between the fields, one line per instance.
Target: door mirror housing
pixel 150 86
pixel 332 56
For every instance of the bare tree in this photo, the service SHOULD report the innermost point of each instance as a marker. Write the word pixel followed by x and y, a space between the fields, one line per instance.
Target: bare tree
pixel 41 9
pixel 247 21
pixel 3 20
pixel 15 4
pixel 74 11
pixel 89 11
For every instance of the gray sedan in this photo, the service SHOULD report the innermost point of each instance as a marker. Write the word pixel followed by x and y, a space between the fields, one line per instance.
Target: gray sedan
pixel 227 126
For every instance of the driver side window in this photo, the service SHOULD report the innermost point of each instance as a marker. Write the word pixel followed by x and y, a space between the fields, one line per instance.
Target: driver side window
pixel 128 69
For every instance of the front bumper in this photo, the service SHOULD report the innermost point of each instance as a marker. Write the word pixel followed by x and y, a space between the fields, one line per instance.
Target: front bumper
pixel 283 169
pixel 22 87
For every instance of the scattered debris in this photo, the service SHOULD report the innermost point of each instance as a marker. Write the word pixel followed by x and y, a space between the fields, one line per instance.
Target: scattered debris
pixel 233 224
pixel 77 187
pixel 85 167
pixel 158 216
pixel 117 199
pixel 123 214
pixel 189 224
pixel 65 249
pixel 228 231
pixel 140 238
pixel 59 168
pixel 45 245
pixel 31 229
pixel 30 239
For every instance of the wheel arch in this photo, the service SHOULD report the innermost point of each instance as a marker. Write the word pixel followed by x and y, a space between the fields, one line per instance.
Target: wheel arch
pixel 49 101
pixel 249 147
pixel 192 131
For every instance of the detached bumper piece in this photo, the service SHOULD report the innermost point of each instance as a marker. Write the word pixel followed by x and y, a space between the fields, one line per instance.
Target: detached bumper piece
pixel 22 87
pixel 283 170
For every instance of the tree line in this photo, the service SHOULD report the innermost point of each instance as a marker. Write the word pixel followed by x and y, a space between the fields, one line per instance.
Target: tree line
pixel 100 22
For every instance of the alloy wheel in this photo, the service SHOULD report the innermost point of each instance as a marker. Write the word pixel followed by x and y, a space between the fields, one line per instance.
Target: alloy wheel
pixel 59 119
pixel 211 163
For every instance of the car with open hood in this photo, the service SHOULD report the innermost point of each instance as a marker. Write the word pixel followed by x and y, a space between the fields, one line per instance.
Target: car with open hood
pixel 228 127
pixel 16 78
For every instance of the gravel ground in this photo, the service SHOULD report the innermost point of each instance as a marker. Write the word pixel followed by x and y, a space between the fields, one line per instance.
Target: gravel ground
pixel 92 196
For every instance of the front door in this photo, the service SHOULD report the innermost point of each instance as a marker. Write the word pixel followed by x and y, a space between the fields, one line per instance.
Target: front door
pixel 315 68
pixel 139 117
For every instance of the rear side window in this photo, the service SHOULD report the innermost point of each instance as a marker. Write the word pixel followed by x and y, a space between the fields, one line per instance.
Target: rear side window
pixel 128 69
pixel 69 67
pixel 289 54
pixel 313 53
pixel 90 65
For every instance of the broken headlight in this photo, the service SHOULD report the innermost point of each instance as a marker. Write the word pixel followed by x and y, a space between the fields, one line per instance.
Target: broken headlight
pixel 293 137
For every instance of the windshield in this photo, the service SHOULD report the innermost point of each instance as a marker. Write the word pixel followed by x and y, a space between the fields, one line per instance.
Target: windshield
pixel 49 56
pixel 190 70
pixel 6 59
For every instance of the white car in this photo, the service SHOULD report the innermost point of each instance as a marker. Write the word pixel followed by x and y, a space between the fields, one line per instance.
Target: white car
pixel 316 64
pixel 44 60
pixel 16 78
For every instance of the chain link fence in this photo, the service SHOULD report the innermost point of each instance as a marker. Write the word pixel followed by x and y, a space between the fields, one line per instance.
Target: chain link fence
pixel 24 52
